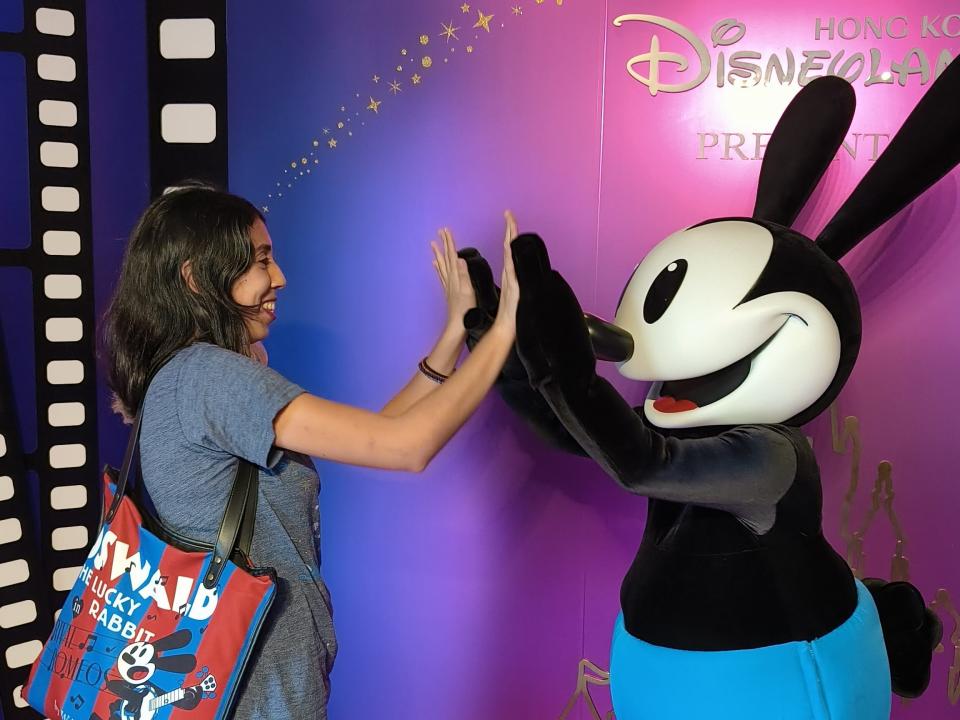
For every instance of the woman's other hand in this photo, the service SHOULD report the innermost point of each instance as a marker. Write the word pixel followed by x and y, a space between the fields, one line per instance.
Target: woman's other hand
pixel 509 287
pixel 455 280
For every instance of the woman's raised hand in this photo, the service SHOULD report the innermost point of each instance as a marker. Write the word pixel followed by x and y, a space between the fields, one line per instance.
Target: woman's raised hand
pixel 454 279
pixel 509 287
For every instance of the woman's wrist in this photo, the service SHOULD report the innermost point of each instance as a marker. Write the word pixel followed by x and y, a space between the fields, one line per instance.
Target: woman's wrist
pixel 454 331
pixel 505 330
pixel 450 344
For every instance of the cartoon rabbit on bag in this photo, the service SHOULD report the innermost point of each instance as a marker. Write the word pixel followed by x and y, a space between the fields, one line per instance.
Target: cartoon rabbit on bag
pixel 736 606
pixel 138 698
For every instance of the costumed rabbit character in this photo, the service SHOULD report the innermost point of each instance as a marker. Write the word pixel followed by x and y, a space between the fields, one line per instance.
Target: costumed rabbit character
pixel 736 606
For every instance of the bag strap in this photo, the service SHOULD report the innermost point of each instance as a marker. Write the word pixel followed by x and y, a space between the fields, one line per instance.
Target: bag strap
pixel 240 512
pixel 239 516
pixel 249 520
pixel 128 462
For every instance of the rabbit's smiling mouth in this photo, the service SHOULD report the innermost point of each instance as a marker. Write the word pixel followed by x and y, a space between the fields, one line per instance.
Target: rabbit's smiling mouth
pixel 690 394
pixel 138 673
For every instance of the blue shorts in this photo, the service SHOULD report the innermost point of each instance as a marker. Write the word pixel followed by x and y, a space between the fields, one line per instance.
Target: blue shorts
pixel 843 675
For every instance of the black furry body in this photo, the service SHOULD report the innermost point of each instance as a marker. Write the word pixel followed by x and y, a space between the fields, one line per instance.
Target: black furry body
pixel 703 579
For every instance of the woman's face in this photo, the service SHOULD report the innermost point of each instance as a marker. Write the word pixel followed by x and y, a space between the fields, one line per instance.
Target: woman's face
pixel 258 286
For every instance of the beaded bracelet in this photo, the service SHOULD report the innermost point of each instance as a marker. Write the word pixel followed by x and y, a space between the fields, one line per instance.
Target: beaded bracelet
pixel 429 372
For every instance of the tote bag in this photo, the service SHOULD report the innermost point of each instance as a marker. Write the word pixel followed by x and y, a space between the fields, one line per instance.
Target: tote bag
pixel 157 625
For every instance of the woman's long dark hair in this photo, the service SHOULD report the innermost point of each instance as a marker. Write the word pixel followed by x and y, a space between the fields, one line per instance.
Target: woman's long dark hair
pixel 153 312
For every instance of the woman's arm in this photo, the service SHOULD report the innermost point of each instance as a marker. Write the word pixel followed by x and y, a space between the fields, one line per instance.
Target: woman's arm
pixel 458 291
pixel 410 439
pixel 442 358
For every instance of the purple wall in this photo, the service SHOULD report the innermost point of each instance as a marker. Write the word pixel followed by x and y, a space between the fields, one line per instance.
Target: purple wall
pixel 473 591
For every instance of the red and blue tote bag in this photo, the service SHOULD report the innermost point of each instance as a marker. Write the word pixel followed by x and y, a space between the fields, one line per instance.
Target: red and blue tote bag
pixel 156 626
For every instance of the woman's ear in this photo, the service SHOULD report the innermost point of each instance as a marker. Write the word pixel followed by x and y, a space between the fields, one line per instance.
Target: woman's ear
pixel 186 272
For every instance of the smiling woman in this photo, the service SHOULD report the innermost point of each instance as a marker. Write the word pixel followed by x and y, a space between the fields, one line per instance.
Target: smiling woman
pixel 257 287
pixel 196 296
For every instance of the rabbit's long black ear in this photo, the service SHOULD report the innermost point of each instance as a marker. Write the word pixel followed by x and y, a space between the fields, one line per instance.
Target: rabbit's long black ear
pixel 803 143
pixel 926 148
pixel 176 663
pixel 173 641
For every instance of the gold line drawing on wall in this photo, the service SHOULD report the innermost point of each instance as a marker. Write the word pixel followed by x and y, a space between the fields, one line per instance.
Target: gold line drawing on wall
pixel 847 439
pixel 588 673
pixel 850 435
pixel 943 606
pixel 882 495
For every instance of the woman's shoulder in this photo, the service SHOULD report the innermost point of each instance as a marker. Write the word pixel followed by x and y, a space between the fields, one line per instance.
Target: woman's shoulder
pixel 202 365
pixel 205 363
pixel 203 355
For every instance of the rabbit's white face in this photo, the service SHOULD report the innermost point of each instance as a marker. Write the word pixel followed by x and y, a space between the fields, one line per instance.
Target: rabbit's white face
pixel 719 360
pixel 135 663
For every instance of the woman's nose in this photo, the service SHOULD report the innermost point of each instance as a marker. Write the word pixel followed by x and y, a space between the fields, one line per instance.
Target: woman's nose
pixel 277 278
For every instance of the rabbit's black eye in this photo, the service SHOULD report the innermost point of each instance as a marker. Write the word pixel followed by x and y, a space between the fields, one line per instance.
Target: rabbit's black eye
pixel 663 290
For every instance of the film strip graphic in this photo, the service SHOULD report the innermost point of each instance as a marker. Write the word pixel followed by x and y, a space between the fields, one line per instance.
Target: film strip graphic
pixel 187 68
pixel 43 544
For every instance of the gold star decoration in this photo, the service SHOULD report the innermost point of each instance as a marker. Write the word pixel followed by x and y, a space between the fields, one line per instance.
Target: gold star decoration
pixel 415 79
pixel 303 161
pixel 469 48
pixel 483 21
pixel 332 142
pixel 424 39
pixel 395 87
pixel 517 10
pixel 374 105
pixel 449 31
pixel 539 2
pixel 376 78
pixel 465 8
pixel 427 61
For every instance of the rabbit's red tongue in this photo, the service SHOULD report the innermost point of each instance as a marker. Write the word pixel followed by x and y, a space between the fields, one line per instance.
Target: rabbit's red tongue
pixel 667 404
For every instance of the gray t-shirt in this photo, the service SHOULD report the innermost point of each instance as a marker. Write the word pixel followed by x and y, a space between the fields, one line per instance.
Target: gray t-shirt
pixel 204 408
